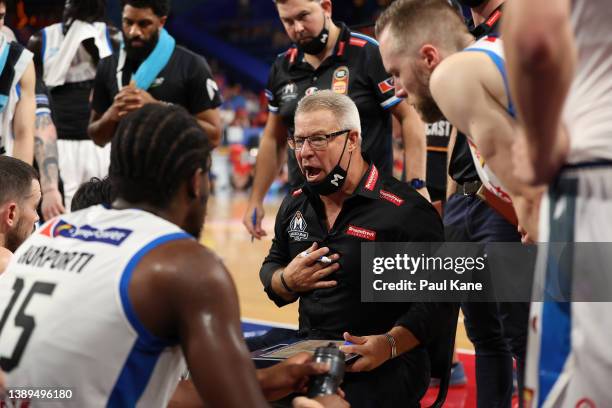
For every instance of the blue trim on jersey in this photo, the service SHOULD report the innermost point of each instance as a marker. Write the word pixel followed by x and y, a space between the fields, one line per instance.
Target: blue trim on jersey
pixel 44 44
pixel 141 361
pixel 126 277
pixel 365 37
pixel 392 104
pixel 108 40
pixel 18 90
pixel 555 340
pixel 501 66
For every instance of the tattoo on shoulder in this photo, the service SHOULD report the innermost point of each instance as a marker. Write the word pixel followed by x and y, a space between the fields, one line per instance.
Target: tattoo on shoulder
pixel 43 121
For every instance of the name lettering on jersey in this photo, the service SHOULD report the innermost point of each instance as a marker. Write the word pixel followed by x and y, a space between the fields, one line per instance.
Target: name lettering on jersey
pixel 392 198
pixel 297 227
pixel 111 236
pixel 44 256
pixel 441 129
pixel 361 233
pixel 386 85
pixel 340 80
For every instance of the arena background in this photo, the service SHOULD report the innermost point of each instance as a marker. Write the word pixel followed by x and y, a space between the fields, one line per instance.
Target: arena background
pixel 240 39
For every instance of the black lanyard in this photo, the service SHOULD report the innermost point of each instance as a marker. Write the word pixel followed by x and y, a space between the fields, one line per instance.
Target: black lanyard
pixel 486 27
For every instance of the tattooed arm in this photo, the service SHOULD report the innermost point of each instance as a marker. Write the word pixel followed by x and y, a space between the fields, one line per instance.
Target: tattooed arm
pixel 45 151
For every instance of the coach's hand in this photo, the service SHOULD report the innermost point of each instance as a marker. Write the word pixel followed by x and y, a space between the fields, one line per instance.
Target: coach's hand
pixel 374 351
pixel 254 229
pixel 289 376
pixel 304 274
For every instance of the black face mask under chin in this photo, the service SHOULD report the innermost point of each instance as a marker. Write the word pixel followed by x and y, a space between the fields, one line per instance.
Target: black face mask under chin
pixel 335 179
pixel 472 3
pixel 317 44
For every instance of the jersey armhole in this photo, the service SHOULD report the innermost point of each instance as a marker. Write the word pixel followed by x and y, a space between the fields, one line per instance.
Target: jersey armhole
pixel 144 334
pixel 501 67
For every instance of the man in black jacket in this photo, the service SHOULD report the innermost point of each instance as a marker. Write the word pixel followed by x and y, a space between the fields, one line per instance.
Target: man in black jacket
pixel 315 256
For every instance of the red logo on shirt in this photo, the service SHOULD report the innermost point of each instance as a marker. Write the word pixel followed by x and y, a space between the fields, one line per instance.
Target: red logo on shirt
pixel 297 192
pixel 372 179
pixel 361 233
pixel 493 19
pixel 385 195
pixel 358 42
pixel 386 85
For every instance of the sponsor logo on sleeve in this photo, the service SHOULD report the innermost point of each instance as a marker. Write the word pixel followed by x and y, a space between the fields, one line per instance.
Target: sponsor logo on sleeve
pixel 212 88
pixel 386 86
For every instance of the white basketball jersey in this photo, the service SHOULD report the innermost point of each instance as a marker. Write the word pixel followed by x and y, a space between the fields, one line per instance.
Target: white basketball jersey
pixel 492 47
pixel 65 59
pixel 67 321
pixel 588 109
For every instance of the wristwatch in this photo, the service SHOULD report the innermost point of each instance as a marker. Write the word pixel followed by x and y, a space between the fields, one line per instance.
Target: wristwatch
pixel 417 183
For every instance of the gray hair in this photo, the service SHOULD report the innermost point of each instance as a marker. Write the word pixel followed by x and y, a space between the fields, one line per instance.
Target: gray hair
pixel 341 106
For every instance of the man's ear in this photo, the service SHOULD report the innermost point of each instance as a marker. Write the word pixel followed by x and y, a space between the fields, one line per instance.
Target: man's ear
pixel 429 56
pixel 353 140
pixel 326 5
pixel 195 188
pixel 9 213
pixel 163 20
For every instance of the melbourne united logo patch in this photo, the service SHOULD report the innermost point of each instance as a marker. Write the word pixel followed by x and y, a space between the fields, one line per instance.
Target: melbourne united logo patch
pixel 289 92
pixel 297 227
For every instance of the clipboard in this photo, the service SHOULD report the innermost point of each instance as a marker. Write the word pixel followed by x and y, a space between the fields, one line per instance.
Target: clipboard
pixel 277 353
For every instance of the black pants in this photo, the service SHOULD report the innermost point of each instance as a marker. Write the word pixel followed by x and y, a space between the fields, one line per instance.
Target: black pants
pixel 497 330
pixel 399 383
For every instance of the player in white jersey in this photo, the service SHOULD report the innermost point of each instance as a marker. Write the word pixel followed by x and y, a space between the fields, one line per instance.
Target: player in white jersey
pixel 444 72
pixel 560 66
pixel 468 88
pixel 103 304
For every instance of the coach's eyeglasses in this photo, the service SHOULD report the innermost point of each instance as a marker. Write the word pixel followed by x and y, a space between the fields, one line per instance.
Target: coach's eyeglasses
pixel 316 142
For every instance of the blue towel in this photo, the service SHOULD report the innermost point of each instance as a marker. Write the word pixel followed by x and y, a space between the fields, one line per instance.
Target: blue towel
pixel 3 94
pixel 156 61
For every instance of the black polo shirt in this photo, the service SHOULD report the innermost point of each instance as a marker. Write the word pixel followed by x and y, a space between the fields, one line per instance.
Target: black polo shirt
pixel 186 80
pixel 355 68
pixel 461 167
pixel 381 209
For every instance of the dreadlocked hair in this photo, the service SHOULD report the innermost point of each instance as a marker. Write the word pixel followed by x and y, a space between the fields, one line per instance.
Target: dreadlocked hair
pixel 155 149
